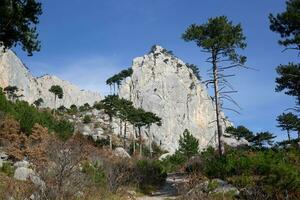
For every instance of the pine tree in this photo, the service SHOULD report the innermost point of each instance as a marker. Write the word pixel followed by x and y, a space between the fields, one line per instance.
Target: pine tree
pixel 188 144
pixel 287 122
pixel 58 92
pixel 221 39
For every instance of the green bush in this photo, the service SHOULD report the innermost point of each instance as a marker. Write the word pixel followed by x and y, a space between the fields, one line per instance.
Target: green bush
pixel 8 169
pixel 96 173
pixel 276 171
pixel 87 119
pixel 150 175
pixel 28 115
pixel 174 162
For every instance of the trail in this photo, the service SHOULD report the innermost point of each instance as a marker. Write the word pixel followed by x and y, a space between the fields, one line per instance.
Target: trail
pixel 168 191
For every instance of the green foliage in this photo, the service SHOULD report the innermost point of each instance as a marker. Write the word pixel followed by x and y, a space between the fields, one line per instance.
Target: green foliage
pixel 240 132
pixel 87 119
pixel 218 36
pixel 96 173
pixel 63 129
pixel 150 175
pixel 277 171
pixel 28 115
pixel 287 25
pixel 73 109
pixel 7 168
pixel 195 70
pixel 174 162
pixel 18 20
pixel 262 139
pixel 84 107
pixel 57 91
pixel 188 144
pixel 118 78
pixel 288 122
pixel 288 80
pixel 38 102
pixel 62 109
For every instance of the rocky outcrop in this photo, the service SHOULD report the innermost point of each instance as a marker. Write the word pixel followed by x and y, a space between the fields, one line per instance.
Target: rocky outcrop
pixel 163 84
pixel 14 73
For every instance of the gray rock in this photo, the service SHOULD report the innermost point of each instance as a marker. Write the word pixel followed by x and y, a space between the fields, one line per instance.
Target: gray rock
pixel 164 156
pixel 86 130
pixel 3 156
pixel 23 173
pixel 215 186
pixel 120 152
pixel 36 180
pixel 22 163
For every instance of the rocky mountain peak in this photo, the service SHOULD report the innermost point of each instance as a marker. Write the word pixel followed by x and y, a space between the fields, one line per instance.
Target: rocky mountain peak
pixel 163 84
pixel 15 73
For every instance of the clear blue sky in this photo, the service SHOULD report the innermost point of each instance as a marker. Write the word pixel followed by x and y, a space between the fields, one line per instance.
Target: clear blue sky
pixel 87 41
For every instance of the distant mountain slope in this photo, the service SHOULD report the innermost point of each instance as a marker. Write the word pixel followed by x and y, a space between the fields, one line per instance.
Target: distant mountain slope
pixel 14 73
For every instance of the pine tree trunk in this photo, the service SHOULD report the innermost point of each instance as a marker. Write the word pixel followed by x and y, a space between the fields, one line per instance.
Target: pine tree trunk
pixel 150 142
pixel 289 137
pixel 133 143
pixel 140 141
pixel 217 104
pixel 54 104
pixel 120 133
pixel 125 129
pixel 110 142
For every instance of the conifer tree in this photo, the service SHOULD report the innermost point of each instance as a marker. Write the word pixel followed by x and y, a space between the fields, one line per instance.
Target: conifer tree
pixel 221 40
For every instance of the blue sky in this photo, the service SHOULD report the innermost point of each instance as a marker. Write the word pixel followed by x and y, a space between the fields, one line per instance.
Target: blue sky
pixel 87 41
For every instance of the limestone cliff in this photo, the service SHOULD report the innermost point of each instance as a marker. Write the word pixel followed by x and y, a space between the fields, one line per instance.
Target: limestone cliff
pixel 164 85
pixel 14 73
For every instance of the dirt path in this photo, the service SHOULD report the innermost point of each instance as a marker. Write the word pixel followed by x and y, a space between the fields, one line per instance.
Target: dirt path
pixel 168 191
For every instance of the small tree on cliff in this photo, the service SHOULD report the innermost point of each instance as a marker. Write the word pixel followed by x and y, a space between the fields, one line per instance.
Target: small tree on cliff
pixel 38 102
pixel 188 144
pixel 58 92
pixel 11 92
pixel 221 39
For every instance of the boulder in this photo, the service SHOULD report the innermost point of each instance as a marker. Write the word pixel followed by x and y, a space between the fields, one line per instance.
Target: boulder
pixel 86 130
pixel 164 156
pixel 214 186
pixel 120 152
pixel 23 173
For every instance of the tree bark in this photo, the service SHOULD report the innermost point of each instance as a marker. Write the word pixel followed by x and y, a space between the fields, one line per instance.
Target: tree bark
pixel 133 142
pixel 150 142
pixel 289 137
pixel 140 141
pixel 217 104
pixel 54 104
pixel 125 129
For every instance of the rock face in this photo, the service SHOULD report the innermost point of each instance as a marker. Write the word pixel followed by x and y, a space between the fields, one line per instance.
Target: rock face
pixel 164 85
pixel 14 73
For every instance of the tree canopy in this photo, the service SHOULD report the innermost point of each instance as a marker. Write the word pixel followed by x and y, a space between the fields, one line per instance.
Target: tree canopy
pixel 220 36
pixel 57 91
pixel 289 80
pixel 18 20
pixel 188 144
pixel 287 24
